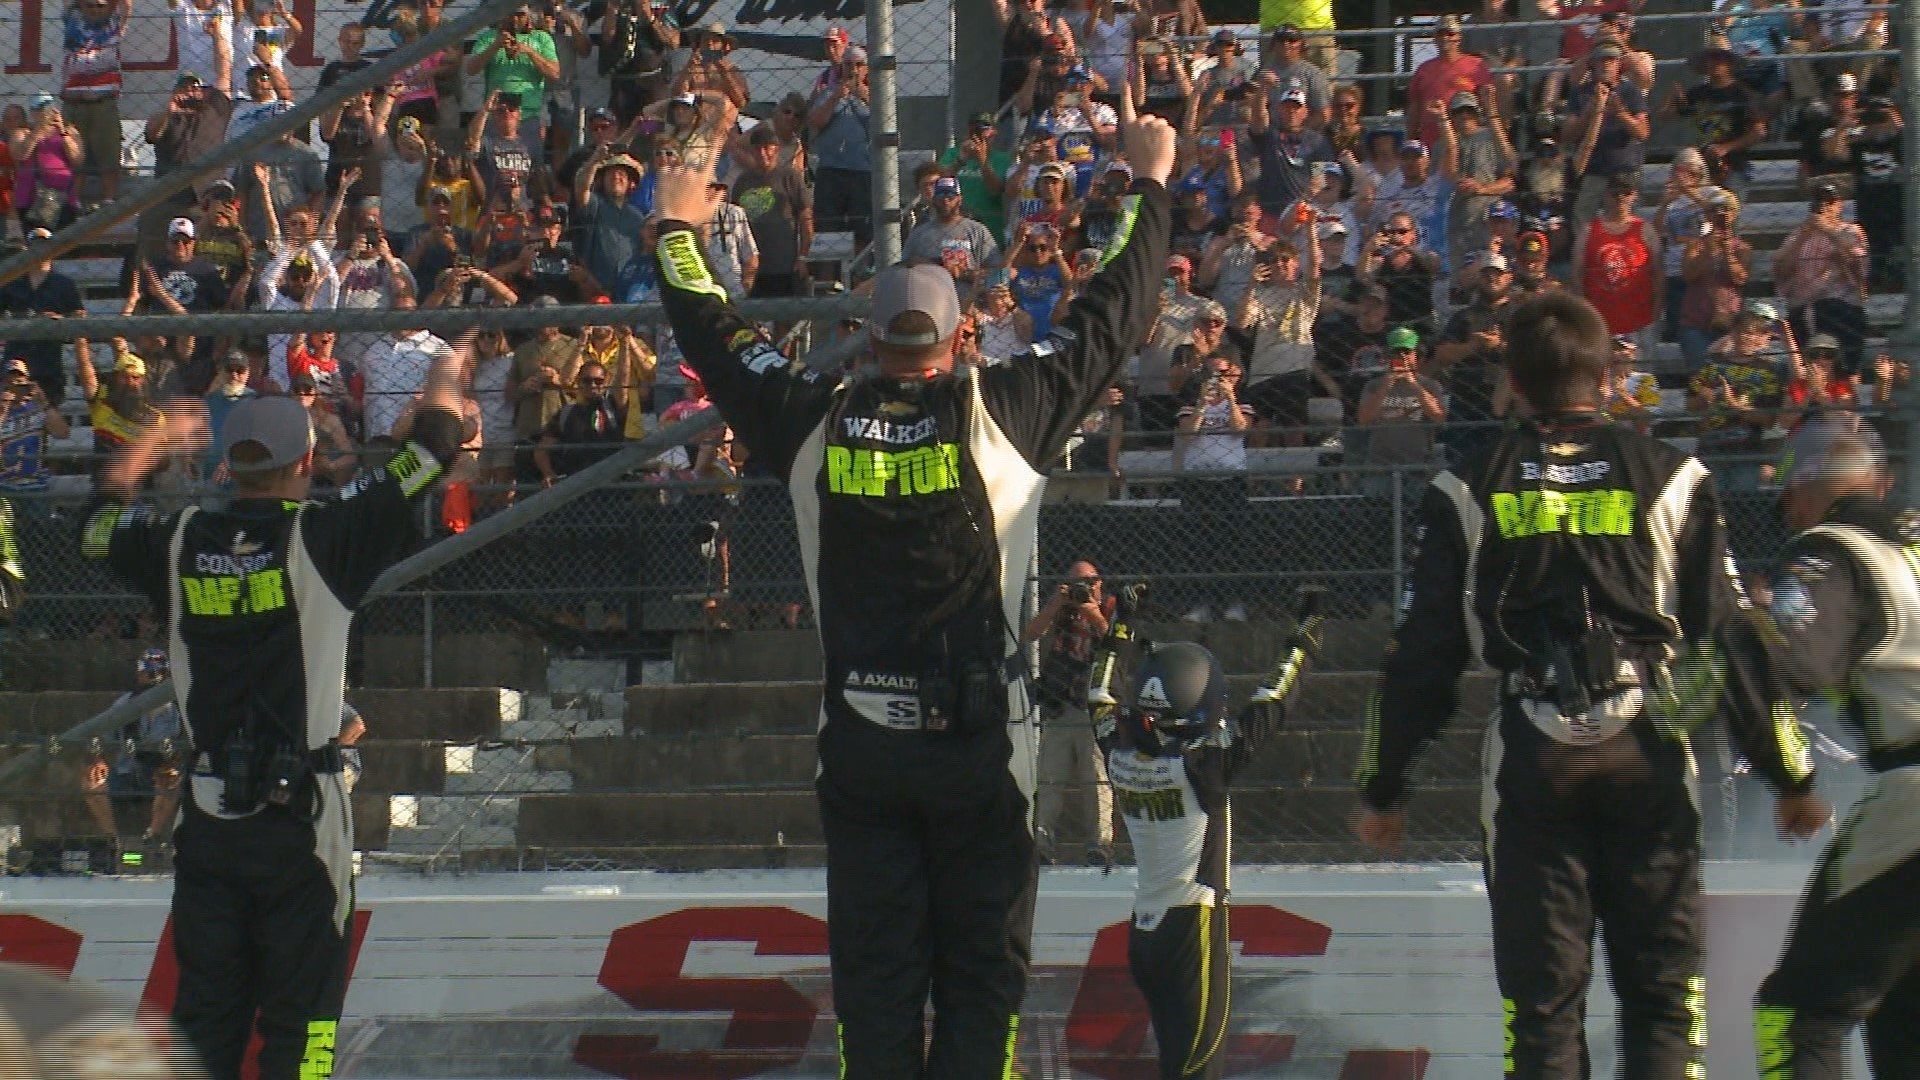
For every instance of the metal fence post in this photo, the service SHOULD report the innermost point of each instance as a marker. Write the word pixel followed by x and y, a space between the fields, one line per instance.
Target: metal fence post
pixel 885 120
pixel 1905 341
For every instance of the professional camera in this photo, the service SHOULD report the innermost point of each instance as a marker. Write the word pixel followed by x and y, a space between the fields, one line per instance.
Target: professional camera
pixel 1080 592
pixel 1237 88
pixel 554 262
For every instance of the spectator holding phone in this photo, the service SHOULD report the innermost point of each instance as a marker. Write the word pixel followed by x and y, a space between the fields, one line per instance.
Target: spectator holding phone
pixel 982 172
pixel 1214 170
pixel 518 61
pixel 1397 414
pixel 1288 150
pixel 843 159
pixel 1737 392
pixel 1276 316
pixel 1821 272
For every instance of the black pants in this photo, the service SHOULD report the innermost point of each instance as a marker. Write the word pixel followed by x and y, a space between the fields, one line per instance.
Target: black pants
pixel 1845 320
pixel 1183 967
pixel 843 202
pixel 930 885
pixel 260 914
pixel 1851 957
pixel 1607 833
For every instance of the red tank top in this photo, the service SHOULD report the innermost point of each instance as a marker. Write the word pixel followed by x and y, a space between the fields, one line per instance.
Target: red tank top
pixel 1619 275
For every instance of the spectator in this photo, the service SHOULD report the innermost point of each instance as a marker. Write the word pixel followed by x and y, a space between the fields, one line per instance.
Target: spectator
pixel 1228 66
pixel 356 138
pixel 1681 219
pixel 402 170
pixel 1396 413
pixel 1067 628
pixel 1026 30
pixel 1211 437
pixel 491 370
pixel 1548 186
pixel 1215 171
pixel 732 255
pixel 1351 351
pixel 179 283
pixel 1347 131
pixel 1480 165
pixel 203 41
pixel 635 41
pixel 351 40
pixel 1821 385
pixel 439 242
pixel 1161 85
pixel 1437 80
pixel 1616 262
pixel 518 61
pixel 229 389
pixel 1052 205
pixel 790 124
pixel 1821 273
pixel 395 369
pixel 1531 277
pixel 1084 128
pixel 295 281
pixel 603 129
pixel 566 92
pixel 1207 343
pixel 1420 193
pixel 27 418
pixel 613 248
pixel 1472 355
pixel 709 72
pixel 583 431
pixel 219 239
pixel 506 225
pixel 261 35
pixel 372 278
pixel 1004 329
pixel 1193 225
pixel 843 162
pixel 630 367
pixel 1727 114
pixel 1039 273
pixel 1180 309
pixel 286 177
pixel 44 290
pixel 456 177
pixel 920 207
pixel 982 173
pixel 1821 121
pixel 1287 60
pixel 264 95
pixel 1289 152
pixel 1877 149
pixel 544 366
pixel 1629 396
pixel 310 357
pixel 547 265
pixel 779 211
pixel 47 156
pixel 119 411
pixel 1276 317
pixel 952 239
pixel 1716 265
pixel 1381 158
pixel 1397 258
pixel 147 768
pixel 90 83
pixel 497 143
pixel 1226 269
pixel 191 125
pixel 1609 124
pixel 1735 395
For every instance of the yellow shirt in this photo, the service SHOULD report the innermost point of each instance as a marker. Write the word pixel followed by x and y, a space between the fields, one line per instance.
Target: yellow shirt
pixel 1305 14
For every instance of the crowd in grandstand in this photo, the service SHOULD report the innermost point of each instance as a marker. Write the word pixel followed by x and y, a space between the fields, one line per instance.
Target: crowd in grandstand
pixel 1339 279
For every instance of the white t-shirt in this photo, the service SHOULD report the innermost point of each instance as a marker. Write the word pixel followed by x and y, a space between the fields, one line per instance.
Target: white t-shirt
pixel 1214 445
pixel 490 376
pixel 195 40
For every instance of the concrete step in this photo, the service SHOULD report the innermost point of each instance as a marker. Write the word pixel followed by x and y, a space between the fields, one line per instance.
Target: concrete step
pixel 574 675
pixel 447 715
pixel 459 660
pixel 1447 810
pixel 690 761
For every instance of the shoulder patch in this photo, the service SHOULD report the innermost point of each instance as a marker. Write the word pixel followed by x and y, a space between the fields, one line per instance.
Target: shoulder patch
pixel 1791 607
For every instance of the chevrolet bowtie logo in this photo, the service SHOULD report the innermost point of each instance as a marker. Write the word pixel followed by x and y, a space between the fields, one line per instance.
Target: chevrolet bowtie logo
pixel 1565 449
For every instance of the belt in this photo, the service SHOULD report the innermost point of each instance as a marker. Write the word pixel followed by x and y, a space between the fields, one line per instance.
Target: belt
pixel 326 759
pixel 1605 718
pixel 1889 758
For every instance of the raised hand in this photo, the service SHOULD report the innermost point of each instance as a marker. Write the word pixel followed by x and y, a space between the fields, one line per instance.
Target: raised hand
pixel 1149 142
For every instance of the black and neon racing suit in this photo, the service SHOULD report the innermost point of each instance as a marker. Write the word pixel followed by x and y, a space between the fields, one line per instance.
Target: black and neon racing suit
pixel 1578 559
pixel 258 599
pixel 917 505
pixel 1845 617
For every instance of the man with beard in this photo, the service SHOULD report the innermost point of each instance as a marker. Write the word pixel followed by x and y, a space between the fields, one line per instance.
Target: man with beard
pixel 1471 354
pixel 180 283
pixel 294 281
pixel 951 239
pixel 120 410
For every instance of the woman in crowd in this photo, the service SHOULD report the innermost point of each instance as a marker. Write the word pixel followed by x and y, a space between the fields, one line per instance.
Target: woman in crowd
pixel 1714 265
pixel 1160 83
pixel 1004 327
pixel 47 157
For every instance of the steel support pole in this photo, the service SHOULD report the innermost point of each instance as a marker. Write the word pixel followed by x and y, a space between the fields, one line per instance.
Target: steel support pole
pixel 884 120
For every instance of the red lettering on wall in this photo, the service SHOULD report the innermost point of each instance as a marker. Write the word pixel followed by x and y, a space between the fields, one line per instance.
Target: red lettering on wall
pixel 769 1021
pixel 26 939
pixel 1107 1029
pixel 1385 1065
pixel 300 53
pixel 30 31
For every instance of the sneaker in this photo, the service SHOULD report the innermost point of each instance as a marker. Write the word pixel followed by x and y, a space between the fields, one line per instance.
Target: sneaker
pixel 1200 613
pixel 1236 612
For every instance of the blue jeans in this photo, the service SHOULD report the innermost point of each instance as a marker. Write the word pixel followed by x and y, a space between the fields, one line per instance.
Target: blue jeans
pixel 1693 346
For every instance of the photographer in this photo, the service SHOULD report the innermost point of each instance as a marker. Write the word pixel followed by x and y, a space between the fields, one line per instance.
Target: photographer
pixel 518 61
pixel 708 70
pixel 1878 151
pixel 636 37
pixel 843 160
pixel 26 420
pixel 546 265
pixel 189 127
pixel 1067 628
pixel 1395 260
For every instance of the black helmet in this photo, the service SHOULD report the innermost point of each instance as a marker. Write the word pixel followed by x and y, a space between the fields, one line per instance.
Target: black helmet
pixel 1180 695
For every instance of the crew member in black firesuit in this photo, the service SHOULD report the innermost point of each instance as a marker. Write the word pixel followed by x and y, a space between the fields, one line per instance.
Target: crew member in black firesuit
pixel 1172 752
pixel 1842 618
pixel 916 494
pixel 1587 565
pixel 258 598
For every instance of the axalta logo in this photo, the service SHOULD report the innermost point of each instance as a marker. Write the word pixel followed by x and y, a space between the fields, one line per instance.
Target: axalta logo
pixel 1152 693
pixel 879 680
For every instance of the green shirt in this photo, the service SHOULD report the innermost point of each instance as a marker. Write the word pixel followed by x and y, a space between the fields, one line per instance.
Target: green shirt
pixel 981 203
pixel 516 74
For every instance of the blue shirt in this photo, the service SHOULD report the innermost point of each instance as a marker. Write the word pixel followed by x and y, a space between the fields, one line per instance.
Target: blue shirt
pixel 23 448
pixel 218 406
pixel 1214 183
pixel 1037 289
pixel 843 143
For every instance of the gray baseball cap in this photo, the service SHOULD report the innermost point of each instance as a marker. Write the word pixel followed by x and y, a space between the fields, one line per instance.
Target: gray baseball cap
pixel 924 289
pixel 279 424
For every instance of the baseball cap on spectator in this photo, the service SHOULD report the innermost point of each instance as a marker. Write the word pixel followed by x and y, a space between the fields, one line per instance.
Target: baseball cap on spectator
pixel 186 79
pixel 39 235
pixel 1288 32
pixel 221 190
pixel 544 300
pixel 1413 148
pixel 600 114
pixel 1086 256
pixel 1546 147
pixel 718 30
pixel 546 215
pixel 1403 337
pixel 151 662
pixel 985 121
pixel 836 33
pixel 304 382
pixel 685 99
pixel 278 425
pixel 1463 100
pixel 1448 24
pixel 946 186
pixel 18 366
pixel 1625 342
pixel 1118 166
pixel 1760 309
pixel 1001 278
pixel 129 364
pixel 856 55
pixel 437 193
pixel 236 360
pixel 259 69
pixel 1054 169
pixel 1294 95
pixel 1688 157
pixel 922 290
pixel 1609 51
pixel 1717 197
pixel 1533 242
pixel 1823 341
pixel 180 227
pixel 1331 227
pixel 1503 210
pixel 1491 260
pixel 1824 193
pixel 1077 74
pixel 300 265
pixel 1180 263
pixel 1845 83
